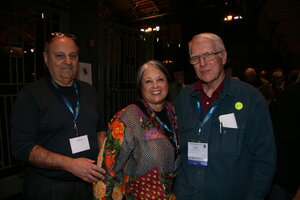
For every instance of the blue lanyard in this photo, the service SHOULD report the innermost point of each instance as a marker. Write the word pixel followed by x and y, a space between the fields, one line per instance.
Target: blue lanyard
pixel 207 116
pixel 164 125
pixel 75 112
pixel 167 128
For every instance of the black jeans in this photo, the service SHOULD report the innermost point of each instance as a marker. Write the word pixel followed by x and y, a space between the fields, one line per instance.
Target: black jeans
pixel 39 187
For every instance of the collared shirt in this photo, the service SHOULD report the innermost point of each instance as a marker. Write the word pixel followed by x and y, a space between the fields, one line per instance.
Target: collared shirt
pixel 206 101
pixel 236 158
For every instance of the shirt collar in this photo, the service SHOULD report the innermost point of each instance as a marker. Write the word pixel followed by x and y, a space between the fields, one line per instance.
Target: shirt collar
pixel 198 86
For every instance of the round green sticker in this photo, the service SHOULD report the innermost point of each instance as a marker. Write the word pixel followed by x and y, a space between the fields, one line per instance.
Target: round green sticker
pixel 239 105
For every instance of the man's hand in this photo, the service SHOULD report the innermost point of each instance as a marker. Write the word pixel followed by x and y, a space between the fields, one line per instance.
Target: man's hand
pixel 85 169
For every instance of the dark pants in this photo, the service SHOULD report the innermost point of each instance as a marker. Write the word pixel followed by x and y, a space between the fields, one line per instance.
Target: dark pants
pixel 279 193
pixel 39 187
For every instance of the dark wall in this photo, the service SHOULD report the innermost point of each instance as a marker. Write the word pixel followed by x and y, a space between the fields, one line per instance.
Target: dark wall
pixel 84 24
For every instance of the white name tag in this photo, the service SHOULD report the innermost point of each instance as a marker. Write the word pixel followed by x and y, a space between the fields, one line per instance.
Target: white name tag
pixel 197 153
pixel 79 144
pixel 228 120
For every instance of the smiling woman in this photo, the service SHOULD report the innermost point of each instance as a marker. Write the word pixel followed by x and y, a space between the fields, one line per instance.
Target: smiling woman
pixel 154 85
pixel 141 146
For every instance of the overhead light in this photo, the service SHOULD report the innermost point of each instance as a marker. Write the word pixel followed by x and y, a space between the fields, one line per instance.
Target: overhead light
pixel 233 11
pixel 237 17
pixel 168 61
pixel 231 17
pixel 150 29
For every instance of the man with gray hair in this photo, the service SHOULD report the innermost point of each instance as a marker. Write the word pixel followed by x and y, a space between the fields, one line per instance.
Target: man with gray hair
pixel 225 131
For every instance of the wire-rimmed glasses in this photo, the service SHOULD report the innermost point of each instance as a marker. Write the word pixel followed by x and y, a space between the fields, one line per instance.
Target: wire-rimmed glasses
pixel 207 56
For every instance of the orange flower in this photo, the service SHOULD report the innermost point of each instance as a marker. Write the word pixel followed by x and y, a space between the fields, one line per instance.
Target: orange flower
pixel 154 135
pixel 110 162
pixel 122 188
pixel 126 178
pixel 99 189
pixel 172 197
pixel 116 194
pixel 117 129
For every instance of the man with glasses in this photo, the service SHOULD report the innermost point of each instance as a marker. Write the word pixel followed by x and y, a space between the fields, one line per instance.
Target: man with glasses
pixel 55 122
pixel 225 132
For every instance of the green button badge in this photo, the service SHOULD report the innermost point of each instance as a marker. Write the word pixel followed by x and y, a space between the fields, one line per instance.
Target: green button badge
pixel 239 105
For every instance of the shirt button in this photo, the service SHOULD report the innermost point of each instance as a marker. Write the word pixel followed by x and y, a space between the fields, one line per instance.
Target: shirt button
pixel 207 102
pixel 200 173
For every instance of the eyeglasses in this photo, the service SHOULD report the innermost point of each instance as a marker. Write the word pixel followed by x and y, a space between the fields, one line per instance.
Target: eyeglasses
pixel 58 34
pixel 206 56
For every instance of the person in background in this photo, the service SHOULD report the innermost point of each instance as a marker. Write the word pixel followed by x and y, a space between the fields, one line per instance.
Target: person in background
pixel 225 131
pixel 251 77
pixel 277 82
pixel 141 146
pixel 56 126
pixel 259 83
pixel 286 128
pixel 292 77
pixel 176 85
pixel 229 71
pixel 264 76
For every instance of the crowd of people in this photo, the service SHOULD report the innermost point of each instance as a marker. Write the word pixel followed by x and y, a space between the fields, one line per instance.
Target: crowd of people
pixel 218 138
pixel 281 90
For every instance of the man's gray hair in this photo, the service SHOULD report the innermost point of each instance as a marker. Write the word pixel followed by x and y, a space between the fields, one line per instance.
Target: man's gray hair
pixel 211 36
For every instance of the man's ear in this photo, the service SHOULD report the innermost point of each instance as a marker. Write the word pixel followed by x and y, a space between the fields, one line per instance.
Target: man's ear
pixel 45 56
pixel 224 57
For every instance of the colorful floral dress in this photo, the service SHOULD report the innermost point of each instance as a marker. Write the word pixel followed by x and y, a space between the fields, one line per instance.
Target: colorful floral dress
pixel 138 156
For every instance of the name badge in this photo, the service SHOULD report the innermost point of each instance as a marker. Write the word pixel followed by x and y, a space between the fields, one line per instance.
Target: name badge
pixel 79 144
pixel 197 153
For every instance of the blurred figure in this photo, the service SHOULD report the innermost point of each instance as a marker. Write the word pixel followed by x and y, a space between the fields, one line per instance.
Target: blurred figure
pixel 251 77
pixel 292 77
pixel 176 85
pixel 229 71
pixel 263 86
pixel 286 127
pixel 264 77
pixel 277 81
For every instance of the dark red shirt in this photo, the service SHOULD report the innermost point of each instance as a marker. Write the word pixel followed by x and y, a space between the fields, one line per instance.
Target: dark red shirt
pixel 205 100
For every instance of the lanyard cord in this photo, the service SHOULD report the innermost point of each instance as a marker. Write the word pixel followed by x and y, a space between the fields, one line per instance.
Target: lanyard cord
pixel 162 124
pixel 74 112
pixel 206 117
pixel 171 131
